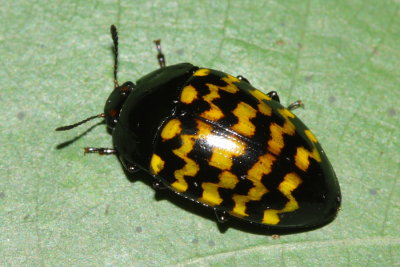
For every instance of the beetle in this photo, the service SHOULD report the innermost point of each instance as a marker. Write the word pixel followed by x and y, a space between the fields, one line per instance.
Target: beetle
pixel 215 139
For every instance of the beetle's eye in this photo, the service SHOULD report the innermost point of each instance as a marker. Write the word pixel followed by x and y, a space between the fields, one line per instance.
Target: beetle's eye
pixel 126 88
pixel 113 113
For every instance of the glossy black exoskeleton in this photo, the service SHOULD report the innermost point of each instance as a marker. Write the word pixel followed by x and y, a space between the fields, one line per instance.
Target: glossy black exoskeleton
pixel 215 139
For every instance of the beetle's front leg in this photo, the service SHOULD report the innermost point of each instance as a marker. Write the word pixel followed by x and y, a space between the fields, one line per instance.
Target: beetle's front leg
pixel 100 150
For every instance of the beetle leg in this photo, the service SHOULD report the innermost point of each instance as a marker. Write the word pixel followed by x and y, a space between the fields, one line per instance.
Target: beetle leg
pixel 295 104
pixel 222 216
pixel 157 185
pixel 130 167
pixel 240 77
pixel 160 55
pixel 100 150
pixel 274 96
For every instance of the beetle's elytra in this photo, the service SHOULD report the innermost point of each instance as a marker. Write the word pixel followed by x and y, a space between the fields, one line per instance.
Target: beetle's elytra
pixel 215 139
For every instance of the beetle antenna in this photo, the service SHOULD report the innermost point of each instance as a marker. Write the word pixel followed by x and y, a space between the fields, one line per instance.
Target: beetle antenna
pixel 114 36
pixel 69 127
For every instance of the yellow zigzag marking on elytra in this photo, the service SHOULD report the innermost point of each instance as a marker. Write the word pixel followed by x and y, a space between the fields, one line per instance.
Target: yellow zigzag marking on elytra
pixel 290 182
pixel 156 164
pixel 302 158
pixel 215 113
pixel 259 95
pixel 264 109
pixel 230 87
pixel 189 94
pixel 258 170
pixel 210 194
pixel 202 72
pixel 276 142
pixel 224 149
pixel 244 112
pixel 262 106
pixel 191 167
pixel 171 129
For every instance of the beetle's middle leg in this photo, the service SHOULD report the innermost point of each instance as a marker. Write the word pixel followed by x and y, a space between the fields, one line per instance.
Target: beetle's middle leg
pixel 160 55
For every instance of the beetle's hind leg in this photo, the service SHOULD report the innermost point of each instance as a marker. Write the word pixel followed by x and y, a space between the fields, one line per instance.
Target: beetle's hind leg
pixel 274 96
pixel 241 78
pixel 222 216
pixel 158 185
pixel 295 105
pixel 111 151
pixel 160 55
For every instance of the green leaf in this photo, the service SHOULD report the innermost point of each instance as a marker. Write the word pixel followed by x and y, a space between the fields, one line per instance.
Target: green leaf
pixel 58 207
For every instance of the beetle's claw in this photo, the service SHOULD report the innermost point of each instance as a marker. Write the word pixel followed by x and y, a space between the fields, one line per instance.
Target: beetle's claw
pixel 274 95
pixel 222 216
pixel 295 105
pixel 157 185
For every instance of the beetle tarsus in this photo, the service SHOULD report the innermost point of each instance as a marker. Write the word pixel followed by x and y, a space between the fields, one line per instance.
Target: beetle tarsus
pixel 100 150
pixel 274 96
pixel 222 216
pixel 240 77
pixel 160 55
pixel 295 105
pixel 157 185
pixel 132 168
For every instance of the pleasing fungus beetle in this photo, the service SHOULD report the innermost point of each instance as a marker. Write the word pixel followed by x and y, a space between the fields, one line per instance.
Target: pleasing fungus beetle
pixel 215 139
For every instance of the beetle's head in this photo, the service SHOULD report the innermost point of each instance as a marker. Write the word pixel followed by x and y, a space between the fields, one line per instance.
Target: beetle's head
pixel 115 102
pixel 112 108
pixel 116 99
